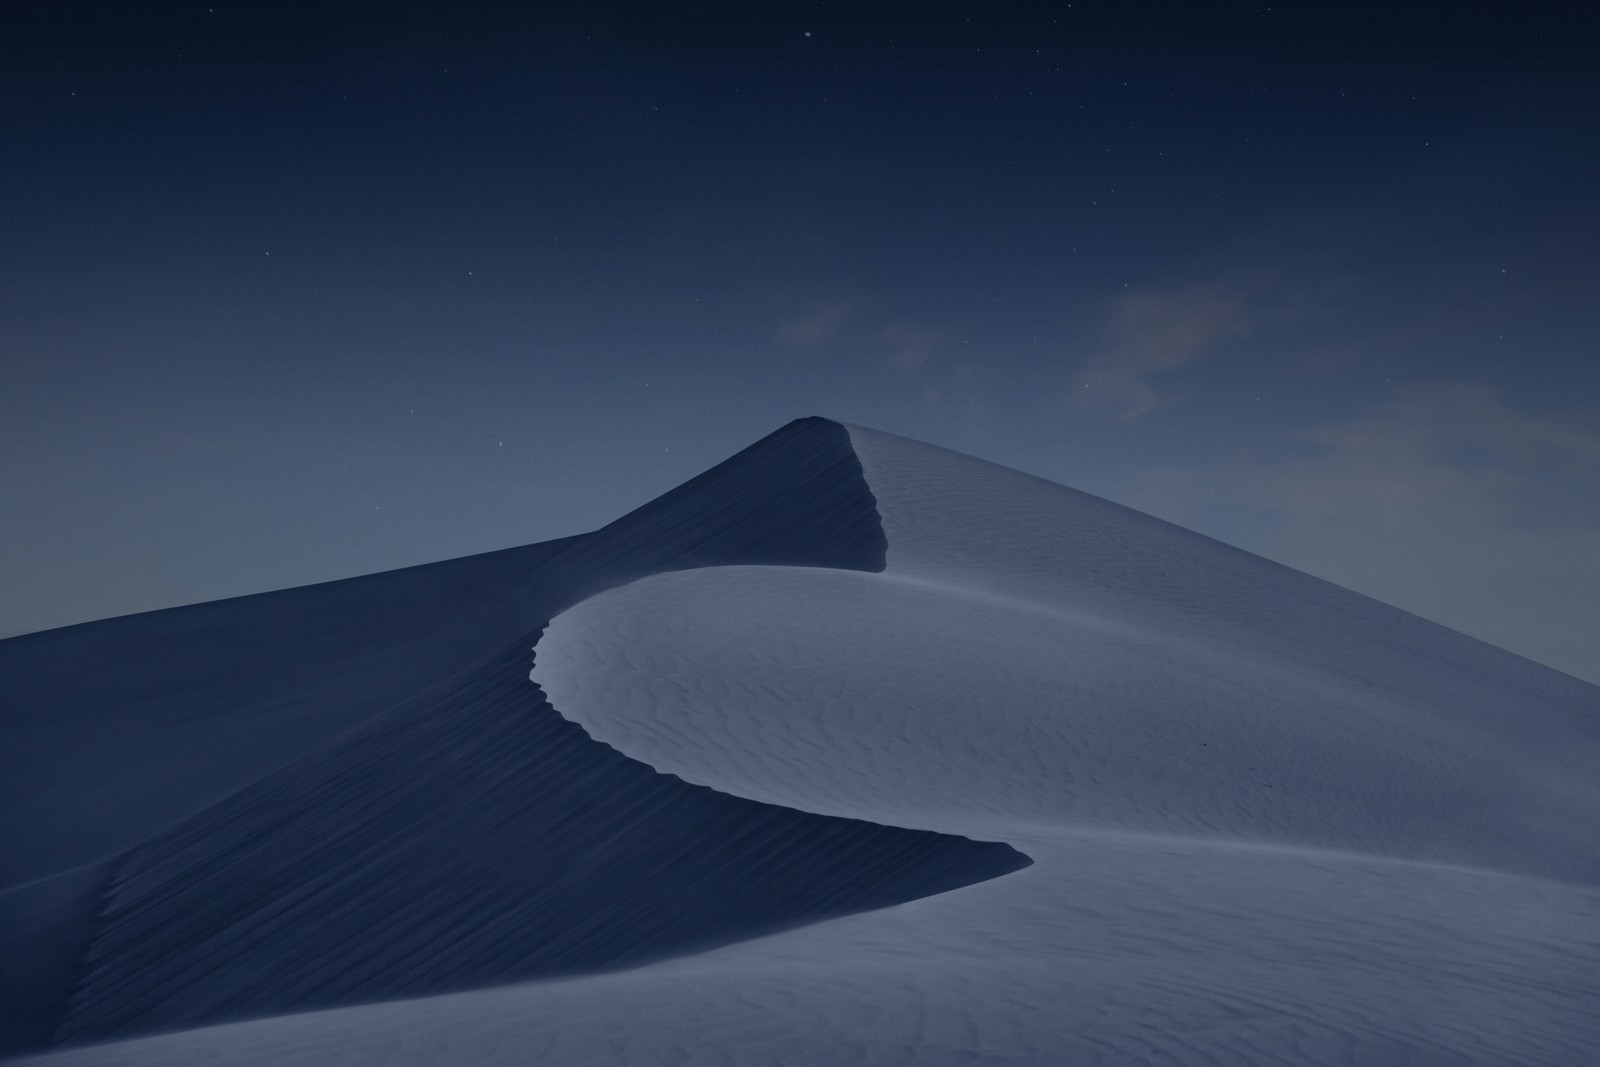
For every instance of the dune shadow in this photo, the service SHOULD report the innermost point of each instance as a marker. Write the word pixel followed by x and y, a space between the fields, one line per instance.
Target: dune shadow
pixel 471 838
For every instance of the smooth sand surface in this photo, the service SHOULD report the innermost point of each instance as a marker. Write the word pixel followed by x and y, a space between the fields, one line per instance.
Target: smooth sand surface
pixel 1270 821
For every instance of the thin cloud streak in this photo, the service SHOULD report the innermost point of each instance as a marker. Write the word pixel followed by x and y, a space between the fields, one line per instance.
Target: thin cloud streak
pixel 818 325
pixel 913 345
pixel 1151 331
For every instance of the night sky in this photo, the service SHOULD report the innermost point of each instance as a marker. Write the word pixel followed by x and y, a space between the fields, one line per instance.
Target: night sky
pixel 294 292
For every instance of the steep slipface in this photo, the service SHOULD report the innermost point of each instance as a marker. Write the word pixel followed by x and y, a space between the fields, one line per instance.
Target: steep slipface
pixel 1269 821
pixel 796 498
pixel 470 838
pixel 114 733
pixel 112 730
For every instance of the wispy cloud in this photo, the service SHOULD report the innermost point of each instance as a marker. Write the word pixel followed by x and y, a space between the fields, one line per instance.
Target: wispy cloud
pixel 945 388
pixel 1432 451
pixel 1151 331
pixel 817 325
pixel 912 346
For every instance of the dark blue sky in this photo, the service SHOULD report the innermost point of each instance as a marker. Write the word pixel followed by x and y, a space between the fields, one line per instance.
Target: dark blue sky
pixel 297 292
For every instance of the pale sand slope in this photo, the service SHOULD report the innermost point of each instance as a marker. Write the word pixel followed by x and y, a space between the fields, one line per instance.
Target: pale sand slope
pixel 1273 821
pixel 1338 826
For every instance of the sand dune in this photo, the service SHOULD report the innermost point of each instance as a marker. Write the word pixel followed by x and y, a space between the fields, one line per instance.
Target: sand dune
pixel 113 730
pixel 1115 951
pixel 855 751
pixel 867 696
pixel 175 798
pixel 472 837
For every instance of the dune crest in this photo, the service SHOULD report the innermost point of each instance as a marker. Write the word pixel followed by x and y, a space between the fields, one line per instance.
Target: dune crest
pixel 1270 821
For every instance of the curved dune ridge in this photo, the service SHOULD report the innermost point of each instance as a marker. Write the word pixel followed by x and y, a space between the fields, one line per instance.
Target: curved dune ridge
pixel 874 697
pixel 1270 821
pixel 1073 662
pixel 1255 766
pixel 463 835
pixel 476 837
pixel 114 730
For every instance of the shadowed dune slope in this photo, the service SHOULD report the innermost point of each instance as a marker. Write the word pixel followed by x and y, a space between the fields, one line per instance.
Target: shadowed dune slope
pixel 114 732
pixel 472 838
pixel 1266 821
